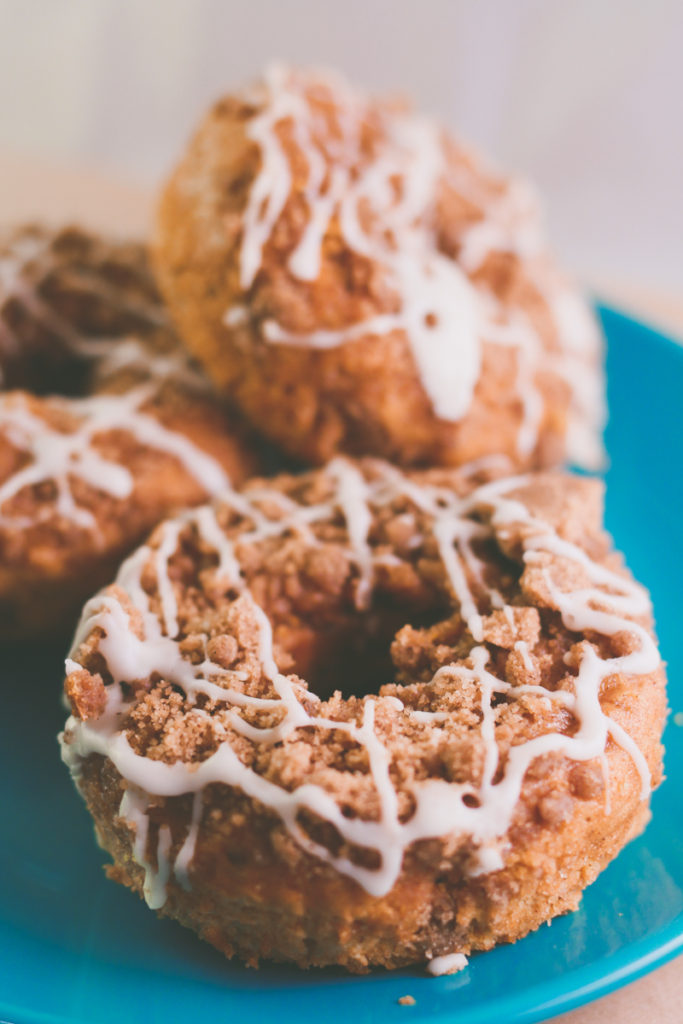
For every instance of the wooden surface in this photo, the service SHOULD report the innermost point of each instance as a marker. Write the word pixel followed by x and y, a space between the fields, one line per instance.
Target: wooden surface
pixel 31 190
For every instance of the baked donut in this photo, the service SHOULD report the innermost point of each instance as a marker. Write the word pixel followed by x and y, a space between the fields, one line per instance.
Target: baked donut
pixel 84 478
pixel 250 779
pixel 361 283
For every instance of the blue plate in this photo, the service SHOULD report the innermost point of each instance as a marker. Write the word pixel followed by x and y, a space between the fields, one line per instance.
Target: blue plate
pixel 76 948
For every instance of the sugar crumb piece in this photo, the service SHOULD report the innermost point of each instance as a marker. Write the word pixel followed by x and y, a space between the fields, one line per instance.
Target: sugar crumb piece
pixel 86 694
pixel 406 1001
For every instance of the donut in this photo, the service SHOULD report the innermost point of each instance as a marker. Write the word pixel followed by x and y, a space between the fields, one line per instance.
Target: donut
pixel 369 717
pixel 363 284
pixel 129 431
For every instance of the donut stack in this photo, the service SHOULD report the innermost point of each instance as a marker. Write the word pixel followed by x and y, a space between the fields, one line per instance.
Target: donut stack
pixel 400 700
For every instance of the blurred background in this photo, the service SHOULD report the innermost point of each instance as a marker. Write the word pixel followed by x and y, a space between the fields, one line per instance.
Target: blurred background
pixel 584 97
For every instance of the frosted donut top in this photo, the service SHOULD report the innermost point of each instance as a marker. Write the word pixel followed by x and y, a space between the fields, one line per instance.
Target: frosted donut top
pixel 376 173
pixel 139 630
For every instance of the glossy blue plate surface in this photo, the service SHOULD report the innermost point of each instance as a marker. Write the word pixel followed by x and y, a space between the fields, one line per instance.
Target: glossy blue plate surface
pixel 76 948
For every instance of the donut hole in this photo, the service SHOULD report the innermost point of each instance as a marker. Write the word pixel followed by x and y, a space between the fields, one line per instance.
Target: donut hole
pixel 356 665
pixel 358 658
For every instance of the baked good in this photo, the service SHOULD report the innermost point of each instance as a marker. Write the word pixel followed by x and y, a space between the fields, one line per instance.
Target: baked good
pixel 67 297
pixel 258 769
pixel 134 434
pixel 361 283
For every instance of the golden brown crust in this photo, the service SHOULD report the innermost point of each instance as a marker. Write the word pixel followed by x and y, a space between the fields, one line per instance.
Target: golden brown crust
pixel 257 896
pixel 255 891
pixel 365 396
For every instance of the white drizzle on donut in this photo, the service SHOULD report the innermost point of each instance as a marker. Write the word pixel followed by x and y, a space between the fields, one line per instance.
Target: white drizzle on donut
pixel 134 808
pixel 443 315
pixel 58 456
pixel 27 260
pixel 606 605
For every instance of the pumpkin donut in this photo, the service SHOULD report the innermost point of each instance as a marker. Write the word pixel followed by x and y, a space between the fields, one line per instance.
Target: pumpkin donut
pixel 361 283
pixel 128 432
pixel 260 771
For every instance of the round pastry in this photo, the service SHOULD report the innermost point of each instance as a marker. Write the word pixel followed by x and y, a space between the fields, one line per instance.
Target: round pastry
pixel 361 283
pixel 259 771
pixel 84 478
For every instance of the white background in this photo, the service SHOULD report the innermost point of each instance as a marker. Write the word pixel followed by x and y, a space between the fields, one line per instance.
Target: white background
pixel 583 96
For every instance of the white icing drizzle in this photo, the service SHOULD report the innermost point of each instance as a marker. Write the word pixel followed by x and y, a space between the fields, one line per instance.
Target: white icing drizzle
pixel 512 224
pixel 13 285
pixel 383 203
pixel 134 809
pixel 352 494
pixel 181 866
pixel 111 356
pixel 450 963
pixel 606 605
pixel 523 648
pixel 26 260
pixel 60 455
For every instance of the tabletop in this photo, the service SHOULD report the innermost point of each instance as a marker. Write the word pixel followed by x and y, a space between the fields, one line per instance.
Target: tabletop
pixel 32 190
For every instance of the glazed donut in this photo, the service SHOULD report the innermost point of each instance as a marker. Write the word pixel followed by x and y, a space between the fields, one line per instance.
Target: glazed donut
pixel 134 434
pixel 252 781
pixel 361 283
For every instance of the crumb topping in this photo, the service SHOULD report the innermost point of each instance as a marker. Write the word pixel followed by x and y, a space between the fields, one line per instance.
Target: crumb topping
pixel 221 643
